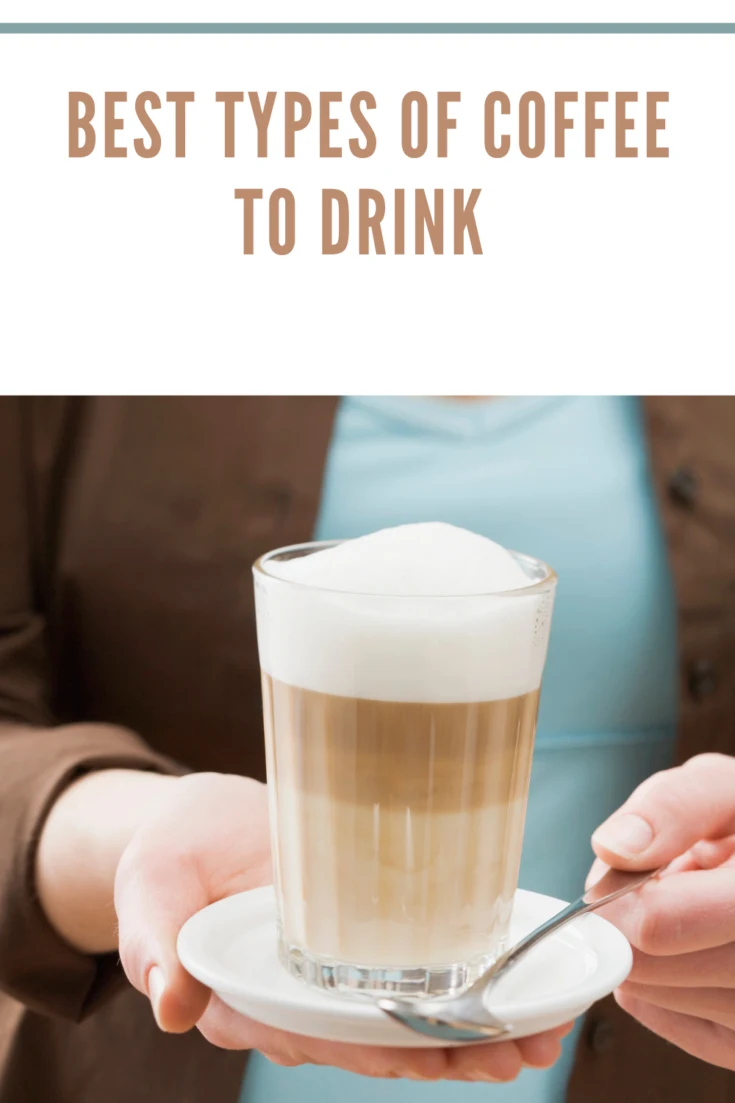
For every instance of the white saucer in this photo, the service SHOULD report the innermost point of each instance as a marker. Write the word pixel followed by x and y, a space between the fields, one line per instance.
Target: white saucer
pixel 231 947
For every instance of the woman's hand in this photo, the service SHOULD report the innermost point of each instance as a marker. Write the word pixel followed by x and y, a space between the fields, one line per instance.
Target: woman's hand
pixel 209 839
pixel 682 927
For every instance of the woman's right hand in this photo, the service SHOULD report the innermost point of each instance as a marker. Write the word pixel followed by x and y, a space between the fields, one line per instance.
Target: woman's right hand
pixel 209 839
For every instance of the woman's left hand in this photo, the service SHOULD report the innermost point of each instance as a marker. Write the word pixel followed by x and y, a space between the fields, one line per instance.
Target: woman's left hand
pixel 681 926
pixel 207 839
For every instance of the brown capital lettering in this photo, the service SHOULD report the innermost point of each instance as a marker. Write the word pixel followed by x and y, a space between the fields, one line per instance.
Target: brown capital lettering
pixel 141 104
pixel 180 100
pixel 262 115
pixel 591 121
pixel 464 220
pixel 653 124
pixel 229 99
pixel 370 220
pixel 491 145
pixel 444 124
pixel 248 196
pixel 417 147
pixel 282 248
pixel 294 122
pixel 367 150
pixel 112 123
pixel 399 223
pixel 623 123
pixel 561 122
pixel 81 124
pixel 329 245
pixel 425 220
pixel 327 123
pixel 539 120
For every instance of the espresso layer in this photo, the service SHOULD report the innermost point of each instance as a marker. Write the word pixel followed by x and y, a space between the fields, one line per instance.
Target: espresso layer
pixel 425 757
pixel 398 827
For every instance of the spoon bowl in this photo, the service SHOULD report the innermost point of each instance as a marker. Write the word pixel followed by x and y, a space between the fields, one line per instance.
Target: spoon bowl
pixel 466 1016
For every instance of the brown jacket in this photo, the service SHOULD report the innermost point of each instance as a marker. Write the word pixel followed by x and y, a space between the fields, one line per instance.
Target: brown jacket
pixel 127 530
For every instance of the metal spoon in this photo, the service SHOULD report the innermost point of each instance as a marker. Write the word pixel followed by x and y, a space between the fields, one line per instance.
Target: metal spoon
pixel 465 1017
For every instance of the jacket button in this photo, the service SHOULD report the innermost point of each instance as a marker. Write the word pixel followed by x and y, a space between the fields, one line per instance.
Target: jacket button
pixel 683 487
pixel 702 679
pixel 601 1037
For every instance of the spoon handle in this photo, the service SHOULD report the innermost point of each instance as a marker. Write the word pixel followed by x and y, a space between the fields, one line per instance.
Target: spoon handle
pixel 613 884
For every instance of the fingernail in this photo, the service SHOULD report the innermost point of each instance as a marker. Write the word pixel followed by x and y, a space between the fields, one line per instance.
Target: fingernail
pixel 626 835
pixel 484 1076
pixel 156 986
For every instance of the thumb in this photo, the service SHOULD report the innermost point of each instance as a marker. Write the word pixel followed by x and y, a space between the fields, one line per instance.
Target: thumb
pixel 669 813
pixel 154 896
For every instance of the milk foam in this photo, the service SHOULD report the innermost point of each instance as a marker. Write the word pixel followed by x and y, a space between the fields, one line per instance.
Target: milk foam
pixel 424 559
pixel 413 613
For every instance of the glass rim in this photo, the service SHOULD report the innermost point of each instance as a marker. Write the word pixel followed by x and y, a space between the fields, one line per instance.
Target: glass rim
pixel 545 584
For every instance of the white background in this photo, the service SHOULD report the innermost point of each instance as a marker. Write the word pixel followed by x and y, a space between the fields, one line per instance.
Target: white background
pixel 597 274
pixel 377 10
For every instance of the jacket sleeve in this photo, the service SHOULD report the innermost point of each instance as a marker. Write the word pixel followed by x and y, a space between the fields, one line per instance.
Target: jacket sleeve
pixel 39 758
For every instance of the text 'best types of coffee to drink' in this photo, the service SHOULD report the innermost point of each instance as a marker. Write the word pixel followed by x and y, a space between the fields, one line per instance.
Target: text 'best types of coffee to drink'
pixel 401 675
pixel 331 125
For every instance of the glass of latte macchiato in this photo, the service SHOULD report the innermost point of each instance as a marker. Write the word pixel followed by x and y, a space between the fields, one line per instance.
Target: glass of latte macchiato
pixel 401 675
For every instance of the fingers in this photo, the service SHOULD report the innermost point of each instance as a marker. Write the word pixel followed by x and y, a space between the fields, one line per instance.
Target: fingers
pixel 708 1041
pixel 679 914
pixel 560 1031
pixel 227 1029
pixel 206 842
pixel 682 864
pixel 713 853
pixel 710 968
pixel 496 1062
pixel 153 899
pixel 717 1005
pixel 540 1051
pixel 598 869
pixel 669 813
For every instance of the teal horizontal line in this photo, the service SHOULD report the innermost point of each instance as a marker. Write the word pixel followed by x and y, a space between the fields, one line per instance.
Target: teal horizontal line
pixel 367 28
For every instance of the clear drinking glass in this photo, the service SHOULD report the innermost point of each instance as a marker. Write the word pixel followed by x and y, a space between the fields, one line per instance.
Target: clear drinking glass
pixel 399 735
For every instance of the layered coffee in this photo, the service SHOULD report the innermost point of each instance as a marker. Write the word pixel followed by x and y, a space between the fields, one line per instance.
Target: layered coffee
pixel 400 686
pixel 399 824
